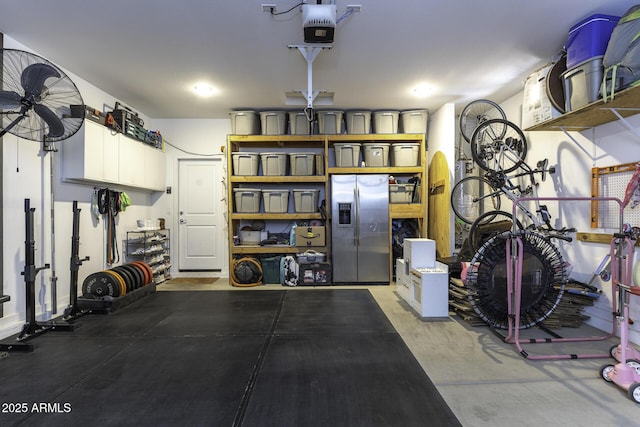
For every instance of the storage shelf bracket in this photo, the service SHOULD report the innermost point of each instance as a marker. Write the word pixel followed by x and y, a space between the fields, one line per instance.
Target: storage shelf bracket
pixel 567 131
pixel 623 120
pixel 310 53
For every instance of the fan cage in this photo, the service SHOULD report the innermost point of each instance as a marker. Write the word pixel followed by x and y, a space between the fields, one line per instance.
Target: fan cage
pixel 544 278
pixel 57 95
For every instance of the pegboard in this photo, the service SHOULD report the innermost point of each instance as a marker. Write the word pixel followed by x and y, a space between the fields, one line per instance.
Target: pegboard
pixel 612 181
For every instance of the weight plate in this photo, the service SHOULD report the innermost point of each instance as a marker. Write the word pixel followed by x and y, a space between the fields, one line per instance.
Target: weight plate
pixel 139 274
pixel 100 284
pixel 119 280
pixel 147 270
pixel 126 276
pixel 135 274
pixel 141 269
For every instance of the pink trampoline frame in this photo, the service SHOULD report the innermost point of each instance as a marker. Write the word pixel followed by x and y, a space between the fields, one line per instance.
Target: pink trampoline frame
pixel 514 259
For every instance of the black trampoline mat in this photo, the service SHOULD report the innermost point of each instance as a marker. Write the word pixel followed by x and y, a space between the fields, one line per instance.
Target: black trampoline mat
pixel 222 358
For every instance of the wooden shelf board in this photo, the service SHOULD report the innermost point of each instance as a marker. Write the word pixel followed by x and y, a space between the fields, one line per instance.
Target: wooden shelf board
pixel 596 113
pixel 288 216
pixel 279 179
pixel 272 249
pixel 401 210
pixel 389 170
pixel 374 137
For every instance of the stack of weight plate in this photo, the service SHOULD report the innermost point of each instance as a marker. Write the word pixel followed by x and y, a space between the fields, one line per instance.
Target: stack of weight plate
pixel 118 281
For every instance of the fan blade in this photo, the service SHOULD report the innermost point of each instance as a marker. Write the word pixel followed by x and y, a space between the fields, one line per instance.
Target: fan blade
pixel 56 128
pixel 9 100
pixel 34 76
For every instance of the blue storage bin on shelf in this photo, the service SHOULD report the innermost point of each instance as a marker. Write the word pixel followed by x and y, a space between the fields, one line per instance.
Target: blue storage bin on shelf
pixel 589 38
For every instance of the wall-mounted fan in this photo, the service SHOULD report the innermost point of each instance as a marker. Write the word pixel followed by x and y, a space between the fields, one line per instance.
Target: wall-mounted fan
pixel 35 98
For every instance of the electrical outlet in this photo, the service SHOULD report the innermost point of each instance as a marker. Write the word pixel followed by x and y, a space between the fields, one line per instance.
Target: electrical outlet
pixel 268 7
pixel 354 7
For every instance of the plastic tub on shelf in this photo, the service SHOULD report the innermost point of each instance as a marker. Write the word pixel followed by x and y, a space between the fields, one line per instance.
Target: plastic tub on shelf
pixel 405 154
pixel 275 201
pixel 358 122
pixel 330 122
pixel 245 163
pixel 401 193
pixel 305 201
pixel 299 124
pixel 385 121
pixel 244 123
pixel 347 154
pixel 376 154
pixel 301 163
pixel 274 163
pixel 589 38
pixel 414 121
pixel 582 83
pixel 273 122
pixel 247 199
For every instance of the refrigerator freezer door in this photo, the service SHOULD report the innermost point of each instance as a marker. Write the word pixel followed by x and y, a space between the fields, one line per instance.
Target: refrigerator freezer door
pixel 373 232
pixel 343 228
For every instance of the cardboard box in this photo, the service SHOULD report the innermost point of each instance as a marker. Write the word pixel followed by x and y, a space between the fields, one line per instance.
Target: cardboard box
pixel 310 236
pixel 314 274
pixel 536 105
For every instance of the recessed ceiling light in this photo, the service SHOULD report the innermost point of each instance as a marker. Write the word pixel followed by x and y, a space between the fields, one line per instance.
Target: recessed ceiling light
pixel 422 90
pixel 204 89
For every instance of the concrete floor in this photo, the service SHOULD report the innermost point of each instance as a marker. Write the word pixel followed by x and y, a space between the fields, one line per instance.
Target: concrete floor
pixel 486 382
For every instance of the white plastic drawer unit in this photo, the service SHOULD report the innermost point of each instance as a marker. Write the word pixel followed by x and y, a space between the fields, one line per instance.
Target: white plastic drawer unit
pixel 430 291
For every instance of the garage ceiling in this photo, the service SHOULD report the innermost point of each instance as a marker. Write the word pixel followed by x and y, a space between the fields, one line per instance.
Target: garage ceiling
pixel 150 54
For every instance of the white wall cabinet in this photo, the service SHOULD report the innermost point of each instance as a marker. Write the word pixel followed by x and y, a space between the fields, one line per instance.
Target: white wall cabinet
pixel 97 155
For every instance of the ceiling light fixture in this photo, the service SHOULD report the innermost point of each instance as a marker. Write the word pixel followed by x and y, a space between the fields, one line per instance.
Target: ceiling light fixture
pixel 422 90
pixel 204 89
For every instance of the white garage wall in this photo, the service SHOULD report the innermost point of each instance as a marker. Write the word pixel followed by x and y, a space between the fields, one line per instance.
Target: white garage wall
pixel 27 176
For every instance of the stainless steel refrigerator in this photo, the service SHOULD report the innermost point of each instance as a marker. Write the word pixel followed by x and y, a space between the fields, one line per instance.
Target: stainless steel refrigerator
pixel 360 228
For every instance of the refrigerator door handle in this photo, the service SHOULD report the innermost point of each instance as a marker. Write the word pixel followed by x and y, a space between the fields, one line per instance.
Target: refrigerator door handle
pixel 356 235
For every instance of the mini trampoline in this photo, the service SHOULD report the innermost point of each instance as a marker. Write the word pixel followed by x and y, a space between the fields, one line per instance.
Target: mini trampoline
pixel 543 269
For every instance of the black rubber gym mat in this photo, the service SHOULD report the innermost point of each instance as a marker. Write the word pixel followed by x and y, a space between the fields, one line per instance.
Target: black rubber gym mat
pixel 330 312
pixel 355 380
pixel 222 358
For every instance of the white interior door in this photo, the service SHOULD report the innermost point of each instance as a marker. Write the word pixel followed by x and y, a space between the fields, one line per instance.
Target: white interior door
pixel 200 210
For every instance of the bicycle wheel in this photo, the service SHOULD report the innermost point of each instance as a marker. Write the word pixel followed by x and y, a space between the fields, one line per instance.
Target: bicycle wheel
pixel 473 196
pixel 476 113
pixel 489 225
pixel 498 145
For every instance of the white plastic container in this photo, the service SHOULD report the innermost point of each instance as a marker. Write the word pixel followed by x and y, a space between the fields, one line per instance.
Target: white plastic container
pixel 247 199
pixel 404 154
pixel 274 163
pixel 252 238
pixel 245 163
pixel 273 122
pixel 376 154
pixel 330 122
pixel 347 154
pixel 358 122
pixel 301 163
pixel 244 123
pixel 299 124
pixel 275 201
pixel 400 193
pixel 385 121
pixel 414 121
pixel 305 200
